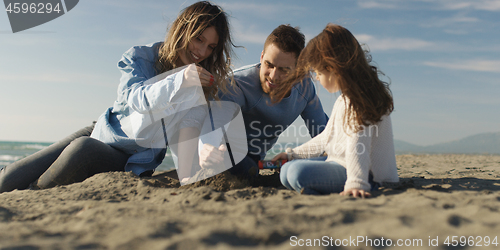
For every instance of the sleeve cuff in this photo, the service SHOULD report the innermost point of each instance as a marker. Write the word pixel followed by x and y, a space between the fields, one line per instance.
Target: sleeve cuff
pixel 289 154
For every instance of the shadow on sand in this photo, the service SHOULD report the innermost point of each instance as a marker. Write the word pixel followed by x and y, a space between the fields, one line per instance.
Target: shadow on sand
pixel 446 185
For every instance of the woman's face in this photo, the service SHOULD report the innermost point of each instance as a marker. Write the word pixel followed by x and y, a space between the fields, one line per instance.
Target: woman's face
pixel 201 47
pixel 328 80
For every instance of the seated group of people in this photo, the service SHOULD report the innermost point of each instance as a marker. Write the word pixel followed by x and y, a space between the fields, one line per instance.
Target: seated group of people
pixel 170 93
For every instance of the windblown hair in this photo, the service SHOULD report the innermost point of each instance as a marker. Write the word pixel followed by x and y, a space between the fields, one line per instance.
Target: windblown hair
pixel 336 50
pixel 190 24
pixel 287 38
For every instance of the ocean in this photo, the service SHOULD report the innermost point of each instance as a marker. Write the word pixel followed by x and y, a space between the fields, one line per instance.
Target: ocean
pixel 11 151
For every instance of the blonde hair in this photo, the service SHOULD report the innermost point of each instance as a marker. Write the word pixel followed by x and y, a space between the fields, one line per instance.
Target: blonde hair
pixel 190 24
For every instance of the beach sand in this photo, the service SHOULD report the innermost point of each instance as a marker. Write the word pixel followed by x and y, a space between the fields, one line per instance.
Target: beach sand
pixel 438 196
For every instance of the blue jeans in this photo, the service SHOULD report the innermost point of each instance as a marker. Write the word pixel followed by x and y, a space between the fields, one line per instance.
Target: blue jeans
pixel 316 176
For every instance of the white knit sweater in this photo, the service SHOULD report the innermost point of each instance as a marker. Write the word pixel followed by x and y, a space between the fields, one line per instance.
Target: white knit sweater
pixel 372 148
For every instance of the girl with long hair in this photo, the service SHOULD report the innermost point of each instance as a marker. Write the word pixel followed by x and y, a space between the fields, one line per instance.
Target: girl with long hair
pixel 200 38
pixel 358 139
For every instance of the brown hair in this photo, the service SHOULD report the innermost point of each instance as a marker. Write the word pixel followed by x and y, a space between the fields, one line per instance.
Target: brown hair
pixel 190 24
pixel 336 50
pixel 287 38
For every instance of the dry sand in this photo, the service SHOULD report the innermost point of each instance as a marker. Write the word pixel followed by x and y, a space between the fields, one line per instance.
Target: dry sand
pixel 438 196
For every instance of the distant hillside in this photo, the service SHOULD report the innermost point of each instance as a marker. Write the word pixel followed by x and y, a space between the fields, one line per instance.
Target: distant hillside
pixel 487 143
pixel 405 147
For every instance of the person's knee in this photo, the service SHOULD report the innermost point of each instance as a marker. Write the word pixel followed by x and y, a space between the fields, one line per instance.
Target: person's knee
pixel 79 150
pixel 283 173
pixel 83 143
pixel 297 176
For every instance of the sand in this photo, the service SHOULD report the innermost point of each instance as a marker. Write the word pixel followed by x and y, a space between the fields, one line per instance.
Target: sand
pixel 438 197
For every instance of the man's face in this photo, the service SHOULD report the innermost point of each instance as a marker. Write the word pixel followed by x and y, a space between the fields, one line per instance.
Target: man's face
pixel 275 65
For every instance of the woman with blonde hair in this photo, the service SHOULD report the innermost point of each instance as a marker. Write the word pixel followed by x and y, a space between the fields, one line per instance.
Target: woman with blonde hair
pixel 358 139
pixel 200 38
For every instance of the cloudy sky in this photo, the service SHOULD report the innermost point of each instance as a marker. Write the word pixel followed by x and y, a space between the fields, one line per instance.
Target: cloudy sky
pixel 442 58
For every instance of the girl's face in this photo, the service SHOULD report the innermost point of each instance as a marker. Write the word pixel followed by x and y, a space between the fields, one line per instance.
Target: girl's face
pixel 328 79
pixel 200 48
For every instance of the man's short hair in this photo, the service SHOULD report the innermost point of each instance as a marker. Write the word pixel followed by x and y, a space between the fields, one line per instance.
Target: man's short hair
pixel 287 39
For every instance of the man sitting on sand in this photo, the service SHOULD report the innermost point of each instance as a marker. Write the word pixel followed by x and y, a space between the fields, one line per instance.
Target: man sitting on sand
pixel 264 120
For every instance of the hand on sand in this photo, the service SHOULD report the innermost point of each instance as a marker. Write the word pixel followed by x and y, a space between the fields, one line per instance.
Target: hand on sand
pixel 211 155
pixel 356 193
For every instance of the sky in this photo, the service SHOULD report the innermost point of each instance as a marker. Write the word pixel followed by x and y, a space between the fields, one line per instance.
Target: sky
pixel 442 58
